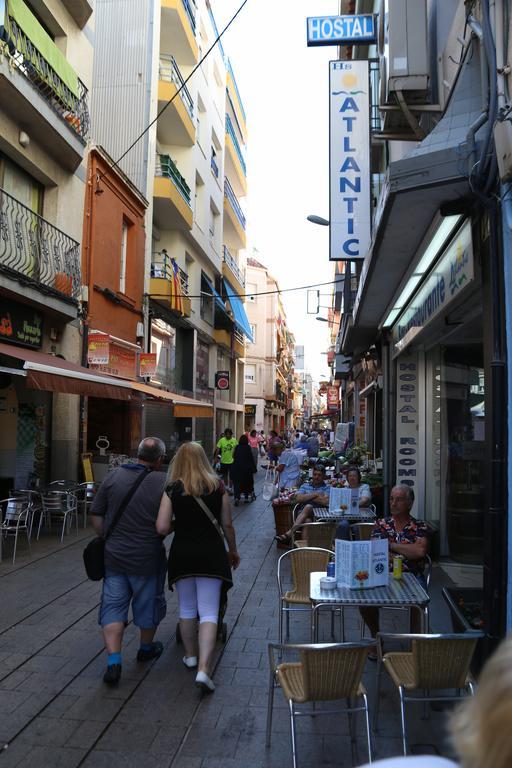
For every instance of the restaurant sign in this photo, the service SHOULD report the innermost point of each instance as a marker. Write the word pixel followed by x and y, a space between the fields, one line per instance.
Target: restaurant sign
pixel 147 364
pixel 20 324
pixel 332 398
pixel 122 362
pixel 98 349
pixel 250 409
pixel 449 277
pixel 349 160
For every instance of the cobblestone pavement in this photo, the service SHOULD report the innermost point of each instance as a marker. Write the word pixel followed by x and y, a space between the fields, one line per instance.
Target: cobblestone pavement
pixel 55 711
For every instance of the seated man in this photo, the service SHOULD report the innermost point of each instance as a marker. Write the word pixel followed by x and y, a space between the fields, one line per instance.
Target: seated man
pixel 316 493
pixel 407 537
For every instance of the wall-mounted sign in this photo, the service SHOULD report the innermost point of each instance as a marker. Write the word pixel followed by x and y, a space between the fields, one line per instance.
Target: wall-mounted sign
pixel 407 423
pixel 98 349
pixel 250 409
pixel 341 30
pixel 147 364
pixel 349 160
pixel 122 362
pixel 19 324
pixel 452 273
pixel 222 380
pixel 332 398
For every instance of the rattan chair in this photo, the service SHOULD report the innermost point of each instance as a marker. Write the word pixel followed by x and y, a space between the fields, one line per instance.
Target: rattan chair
pixel 303 562
pixel 361 531
pixel 321 672
pixel 15 519
pixel 434 663
pixel 316 535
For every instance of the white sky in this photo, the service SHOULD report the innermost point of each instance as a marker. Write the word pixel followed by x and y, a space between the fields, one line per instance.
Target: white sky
pixel 284 89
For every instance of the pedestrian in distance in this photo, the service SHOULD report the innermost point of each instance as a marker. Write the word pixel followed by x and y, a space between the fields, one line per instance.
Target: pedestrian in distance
pixel 254 444
pixel 196 507
pixel 242 471
pixel 262 442
pixel 224 451
pixel 134 555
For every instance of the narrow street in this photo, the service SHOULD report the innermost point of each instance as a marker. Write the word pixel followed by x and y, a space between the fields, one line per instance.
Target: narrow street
pixel 56 711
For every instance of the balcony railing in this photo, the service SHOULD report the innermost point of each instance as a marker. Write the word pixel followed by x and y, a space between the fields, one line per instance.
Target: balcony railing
pixel 231 131
pixel 190 8
pixel 375 123
pixel 63 91
pixel 235 269
pixel 238 336
pixel 163 265
pixel 230 70
pixel 36 253
pixel 170 72
pixel 166 167
pixel 228 192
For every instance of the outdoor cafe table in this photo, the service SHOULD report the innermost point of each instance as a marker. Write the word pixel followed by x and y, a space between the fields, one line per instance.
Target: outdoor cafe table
pixel 360 515
pixel 406 592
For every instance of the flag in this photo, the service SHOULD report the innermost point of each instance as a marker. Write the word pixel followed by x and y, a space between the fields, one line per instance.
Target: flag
pixel 176 297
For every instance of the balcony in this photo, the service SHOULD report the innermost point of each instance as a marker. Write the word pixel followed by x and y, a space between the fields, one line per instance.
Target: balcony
pixel 40 89
pixel 232 271
pixel 234 220
pixel 178 30
pixel 168 285
pixel 171 193
pixel 38 256
pixel 176 123
pixel 235 100
pixel 236 168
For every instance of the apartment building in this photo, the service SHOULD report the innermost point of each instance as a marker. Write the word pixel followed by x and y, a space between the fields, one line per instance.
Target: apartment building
pixel 46 55
pixel 190 165
pixel 269 380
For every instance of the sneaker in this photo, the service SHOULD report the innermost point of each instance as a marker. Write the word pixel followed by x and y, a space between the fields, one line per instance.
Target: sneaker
pixel 113 674
pixel 153 653
pixel 190 661
pixel 204 682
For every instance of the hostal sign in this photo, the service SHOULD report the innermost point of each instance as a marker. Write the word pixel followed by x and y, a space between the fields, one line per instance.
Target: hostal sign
pixel 349 160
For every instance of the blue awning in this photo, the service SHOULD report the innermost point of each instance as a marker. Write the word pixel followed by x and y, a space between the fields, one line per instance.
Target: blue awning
pixel 219 301
pixel 237 307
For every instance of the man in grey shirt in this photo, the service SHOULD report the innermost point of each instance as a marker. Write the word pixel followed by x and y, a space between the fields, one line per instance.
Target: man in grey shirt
pixel 135 564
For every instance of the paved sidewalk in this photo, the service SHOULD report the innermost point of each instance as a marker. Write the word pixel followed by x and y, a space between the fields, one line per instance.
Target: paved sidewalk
pixel 55 711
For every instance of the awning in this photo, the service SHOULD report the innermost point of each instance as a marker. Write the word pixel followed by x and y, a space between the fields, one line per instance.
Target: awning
pixel 369 390
pixel 219 301
pixel 184 407
pixel 237 307
pixel 53 374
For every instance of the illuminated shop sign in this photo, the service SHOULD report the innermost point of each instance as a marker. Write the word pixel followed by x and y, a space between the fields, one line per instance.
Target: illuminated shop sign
pixel 349 161
pixel 450 276
pixel 341 30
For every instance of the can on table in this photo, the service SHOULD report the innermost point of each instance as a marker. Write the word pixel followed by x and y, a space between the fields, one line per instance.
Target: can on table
pixel 331 568
pixel 397 566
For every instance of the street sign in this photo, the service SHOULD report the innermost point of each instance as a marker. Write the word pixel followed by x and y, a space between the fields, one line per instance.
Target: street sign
pixel 222 380
pixel 341 30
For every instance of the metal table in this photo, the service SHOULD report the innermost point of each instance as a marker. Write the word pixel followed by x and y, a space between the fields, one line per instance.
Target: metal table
pixel 406 592
pixel 360 515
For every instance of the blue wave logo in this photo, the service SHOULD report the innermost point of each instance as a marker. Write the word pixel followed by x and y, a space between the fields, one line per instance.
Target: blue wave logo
pixel 347 93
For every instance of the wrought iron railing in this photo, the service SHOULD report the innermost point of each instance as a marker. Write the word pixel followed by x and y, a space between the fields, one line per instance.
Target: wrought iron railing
pixel 228 192
pixel 235 269
pixel 214 167
pixel 28 61
pixel 375 122
pixel 190 8
pixel 231 131
pixel 170 72
pixel 35 252
pixel 163 265
pixel 166 167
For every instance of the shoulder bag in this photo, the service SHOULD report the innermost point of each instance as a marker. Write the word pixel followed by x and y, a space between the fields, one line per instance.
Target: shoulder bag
pixel 94 553
pixel 209 514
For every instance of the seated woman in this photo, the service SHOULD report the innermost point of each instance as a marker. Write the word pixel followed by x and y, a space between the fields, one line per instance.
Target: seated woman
pixel 288 467
pixel 355 484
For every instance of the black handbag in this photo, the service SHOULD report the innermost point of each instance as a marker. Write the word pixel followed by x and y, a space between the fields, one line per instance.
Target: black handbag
pixel 94 553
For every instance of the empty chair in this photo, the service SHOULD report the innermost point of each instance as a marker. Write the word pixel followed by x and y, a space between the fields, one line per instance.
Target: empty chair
pixel 303 562
pixel 85 493
pixel 316 535
pixel 59 505
pixel 435 663
pixel 15 516
pixel 361 531
pixel 317 673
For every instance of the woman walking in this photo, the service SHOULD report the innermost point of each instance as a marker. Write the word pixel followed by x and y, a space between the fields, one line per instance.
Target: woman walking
pixel 196 507
pixel 242 471
pixel 254 443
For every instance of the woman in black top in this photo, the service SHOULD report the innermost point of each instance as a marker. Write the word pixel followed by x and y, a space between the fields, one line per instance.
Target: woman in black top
pixel 242 470
pixel 198 564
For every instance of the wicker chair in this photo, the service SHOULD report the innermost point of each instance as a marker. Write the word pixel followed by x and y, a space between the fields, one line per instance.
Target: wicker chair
pixel 303 562
pixel 316 535
pixel 321 672
pixel 434 663
pixel 361 531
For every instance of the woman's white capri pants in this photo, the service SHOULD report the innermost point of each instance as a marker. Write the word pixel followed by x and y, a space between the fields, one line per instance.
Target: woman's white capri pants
pixel 199 595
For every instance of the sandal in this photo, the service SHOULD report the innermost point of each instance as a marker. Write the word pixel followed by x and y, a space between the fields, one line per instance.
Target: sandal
pixel 283 538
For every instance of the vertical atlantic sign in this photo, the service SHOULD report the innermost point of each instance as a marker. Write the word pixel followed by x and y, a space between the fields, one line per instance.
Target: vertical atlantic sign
pixel 349 160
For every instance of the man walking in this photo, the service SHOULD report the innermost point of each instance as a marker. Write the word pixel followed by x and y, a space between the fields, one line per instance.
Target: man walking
pixel 224 451
pixel 135 563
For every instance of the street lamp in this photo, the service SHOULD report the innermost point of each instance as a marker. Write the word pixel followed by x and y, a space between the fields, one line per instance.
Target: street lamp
pixel 314 219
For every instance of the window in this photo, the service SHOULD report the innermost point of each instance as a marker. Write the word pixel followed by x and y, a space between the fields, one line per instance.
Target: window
pixel 207 301
pixel 250 290
pixel 122 264
pixel 253 331
pixel 18 183
pixel 250 374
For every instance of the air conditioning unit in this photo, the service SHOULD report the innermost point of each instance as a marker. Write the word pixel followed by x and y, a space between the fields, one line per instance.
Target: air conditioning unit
pixel 403 64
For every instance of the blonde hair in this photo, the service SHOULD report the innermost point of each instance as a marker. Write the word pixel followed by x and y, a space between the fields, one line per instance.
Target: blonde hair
pixel 191 466
pixel 480 727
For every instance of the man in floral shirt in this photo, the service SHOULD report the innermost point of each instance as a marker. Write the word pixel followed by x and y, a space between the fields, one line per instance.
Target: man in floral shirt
pixel 407 537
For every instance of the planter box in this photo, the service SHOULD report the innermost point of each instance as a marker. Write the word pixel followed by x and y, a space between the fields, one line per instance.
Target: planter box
pixel 466 608
pixel 283 520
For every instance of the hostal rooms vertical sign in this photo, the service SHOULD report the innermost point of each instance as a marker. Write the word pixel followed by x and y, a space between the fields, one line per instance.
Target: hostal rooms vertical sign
pixel 349 160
